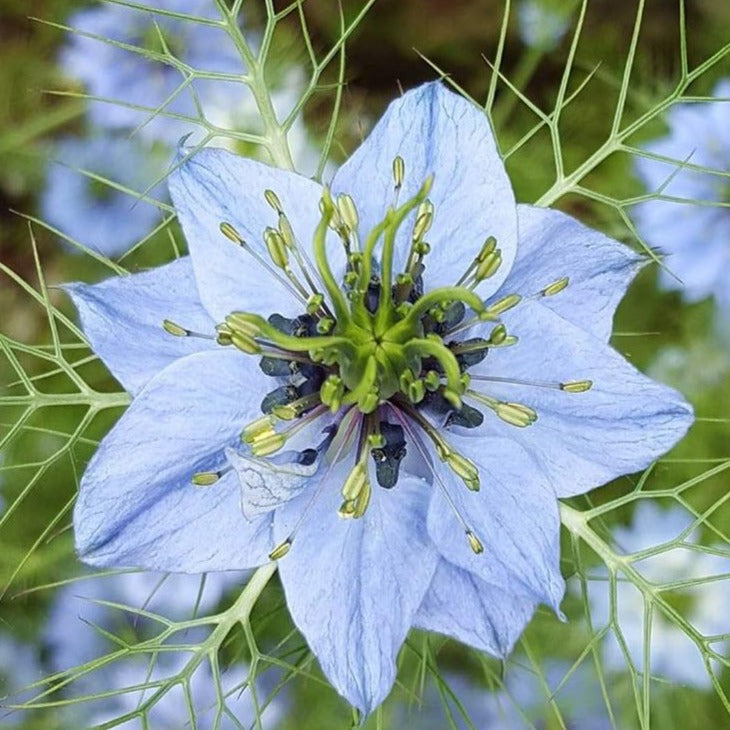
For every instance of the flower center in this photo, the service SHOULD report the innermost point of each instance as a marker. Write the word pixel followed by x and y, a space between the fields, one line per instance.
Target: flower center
pixel 383 356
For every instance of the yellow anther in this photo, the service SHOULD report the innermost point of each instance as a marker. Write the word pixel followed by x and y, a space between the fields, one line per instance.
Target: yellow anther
pixel 314 303
pixel 416 391
pixel 487 248
pixel 174 329
pixel 465 469
pixel 232 234
pixel 355 481
pixel 276 247
pixel 515 414
pixel 576 386
pixel 205 478
pixel 287 232
pixel 240 322
pixel 489 265
pixel 245 343
pixel 362 501
pixel 498 335
pixel 267 444
pixel 347 509
pixel 399 172
pixel 262 425
pixel 424 219
pixel 474 543
pixel 332 391
pixel 280 550
pixel 556 287
pixel 504 304
pixel 273 200
pixel 348 211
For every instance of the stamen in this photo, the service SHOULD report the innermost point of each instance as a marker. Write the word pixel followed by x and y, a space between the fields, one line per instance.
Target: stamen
pixel 515 414
pixel 208 478
pixel 556 287
pixel 474 542
pixel 489 247
pixel 177 331
pixel 233 235
pixel 462 467
pixel 571 386
pixel 283 548
pixel 399 172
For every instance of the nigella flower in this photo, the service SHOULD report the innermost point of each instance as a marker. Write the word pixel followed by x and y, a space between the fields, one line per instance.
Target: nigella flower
pixel 695 237
pixel 664 546
pixel 528 699
pixel 541 26
pixel 75 630
pixel 129 87
pixel 93 190
pixel 384 385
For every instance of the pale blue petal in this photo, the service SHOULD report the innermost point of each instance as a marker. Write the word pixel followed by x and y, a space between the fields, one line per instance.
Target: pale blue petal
pixel 137 506
pixel 215 186
pixel 437 132
pixel 461 605
pixel 354 586
pixel 515 515
pixel 554 245
pixel 122 318
pixel 694 241
pixel 581 440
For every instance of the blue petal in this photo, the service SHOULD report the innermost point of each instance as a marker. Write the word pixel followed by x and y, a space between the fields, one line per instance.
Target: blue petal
pixel 215 186
pixel 354 586
pixel 466 608
pixel 122 318
pixel 137 506
pixel 694 240
pixel 581 440
pixel 515 515
pixel 437 132
pixel 554 245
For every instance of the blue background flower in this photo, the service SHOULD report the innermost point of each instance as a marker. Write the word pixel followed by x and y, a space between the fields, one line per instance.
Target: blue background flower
pixel 95 213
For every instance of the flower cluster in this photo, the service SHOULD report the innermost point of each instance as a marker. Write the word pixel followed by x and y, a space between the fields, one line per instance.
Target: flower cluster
pixel 384 384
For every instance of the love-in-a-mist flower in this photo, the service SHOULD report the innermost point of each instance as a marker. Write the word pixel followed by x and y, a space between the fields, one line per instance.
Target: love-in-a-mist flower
pixel 128 87
pixel 93 189
pixel 690 168
pixel 384 384
pixel 541 26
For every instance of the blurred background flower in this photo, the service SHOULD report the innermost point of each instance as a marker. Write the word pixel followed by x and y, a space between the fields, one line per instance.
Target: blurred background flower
pixel 97 193
pixel 690 166
pixel 674 656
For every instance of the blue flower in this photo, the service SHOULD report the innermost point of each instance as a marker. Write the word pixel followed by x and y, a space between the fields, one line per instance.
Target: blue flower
pixel 135 86
pixel 527 698
pixel 92 211
pixel 19 668
pixel 72 633
pixel 696 238
pixel 540 26
pixel 408 348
